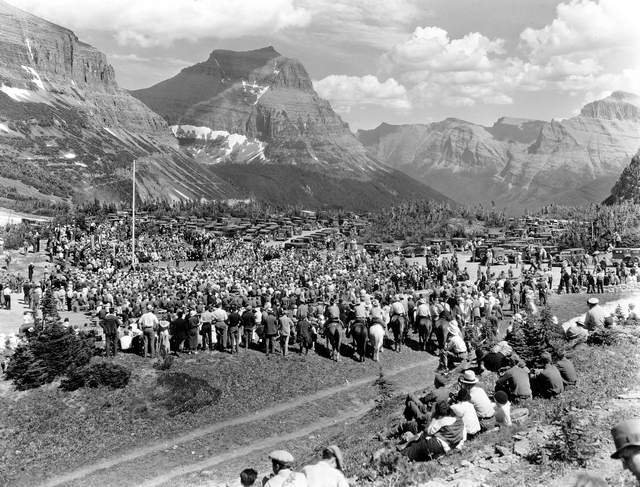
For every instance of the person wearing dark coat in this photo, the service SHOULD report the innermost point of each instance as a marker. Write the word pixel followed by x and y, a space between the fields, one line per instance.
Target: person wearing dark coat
pixel 514 380
pixel 178 329
pixel 548 382
pixel 110 325
pixel 270 330
pixel 567 370
pixel 305 335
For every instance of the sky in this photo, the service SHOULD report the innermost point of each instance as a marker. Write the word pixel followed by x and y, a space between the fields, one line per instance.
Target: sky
pixel 394 61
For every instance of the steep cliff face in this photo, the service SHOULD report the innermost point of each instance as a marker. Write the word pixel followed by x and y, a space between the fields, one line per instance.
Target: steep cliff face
pixel 259 108
pixel 517 162
pixel 68 130
pixel 627 188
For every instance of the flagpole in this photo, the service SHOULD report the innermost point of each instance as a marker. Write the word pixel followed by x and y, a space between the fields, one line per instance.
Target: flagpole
pixel 133 217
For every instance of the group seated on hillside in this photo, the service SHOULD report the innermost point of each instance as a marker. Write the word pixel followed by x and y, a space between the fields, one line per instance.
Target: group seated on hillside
pixel 445 418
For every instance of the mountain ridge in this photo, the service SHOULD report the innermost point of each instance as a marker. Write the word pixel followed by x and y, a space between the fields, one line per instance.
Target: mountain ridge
pixel 517 163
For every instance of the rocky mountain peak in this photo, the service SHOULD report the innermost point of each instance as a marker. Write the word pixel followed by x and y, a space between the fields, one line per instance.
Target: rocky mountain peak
pixel 627 188
pixel 620 105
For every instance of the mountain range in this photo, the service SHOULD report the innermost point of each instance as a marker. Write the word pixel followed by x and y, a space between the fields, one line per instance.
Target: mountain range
pixel 250 125
pixel 518 163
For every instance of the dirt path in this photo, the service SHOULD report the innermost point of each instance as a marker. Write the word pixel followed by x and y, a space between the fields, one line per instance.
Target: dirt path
pixel 405 378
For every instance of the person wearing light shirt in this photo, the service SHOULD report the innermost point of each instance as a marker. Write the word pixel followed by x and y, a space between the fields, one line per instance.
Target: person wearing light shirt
pixel 328 471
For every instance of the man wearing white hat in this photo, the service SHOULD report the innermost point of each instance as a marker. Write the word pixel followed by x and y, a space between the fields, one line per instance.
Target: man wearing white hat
pixel 283 476
pixel 328 471
pixel 481 402
pixel 594 318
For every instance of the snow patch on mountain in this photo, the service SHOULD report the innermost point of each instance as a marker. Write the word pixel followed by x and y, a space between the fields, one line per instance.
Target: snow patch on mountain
pixel 219 143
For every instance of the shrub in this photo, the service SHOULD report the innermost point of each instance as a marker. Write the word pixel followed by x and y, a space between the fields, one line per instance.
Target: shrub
pixel 573 442
pixel 97 374
pixel 537 335
pixel 181 393
pixel 49 353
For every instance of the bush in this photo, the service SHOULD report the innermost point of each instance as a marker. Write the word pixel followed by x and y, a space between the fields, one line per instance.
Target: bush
pixel 49 353
pixel 537 335
pixel 182 393
pixel 97 374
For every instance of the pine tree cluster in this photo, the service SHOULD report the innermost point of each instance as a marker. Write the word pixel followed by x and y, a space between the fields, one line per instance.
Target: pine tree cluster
pixel 51 352
pixel 535 336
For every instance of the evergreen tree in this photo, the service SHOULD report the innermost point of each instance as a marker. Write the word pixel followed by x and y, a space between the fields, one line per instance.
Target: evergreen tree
pixel 49 306
pixel 536 336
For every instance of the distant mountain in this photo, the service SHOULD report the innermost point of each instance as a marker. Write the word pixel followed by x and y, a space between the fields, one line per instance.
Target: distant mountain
pixel 67 129
pixel 627 188
pixel 517 163
pixel 258 112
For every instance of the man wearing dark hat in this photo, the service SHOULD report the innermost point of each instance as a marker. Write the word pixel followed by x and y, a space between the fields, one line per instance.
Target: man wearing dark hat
pixel 626 436
pixel 328 471
pixel 548 381
pixel 283 476
pixel 514 381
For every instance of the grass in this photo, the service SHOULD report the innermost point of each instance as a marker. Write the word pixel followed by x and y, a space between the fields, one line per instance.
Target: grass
pixel 59 430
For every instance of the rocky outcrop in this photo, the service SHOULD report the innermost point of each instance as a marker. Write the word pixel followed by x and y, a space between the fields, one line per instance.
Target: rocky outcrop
pixel 68 130
pixel 627 188
pixel 258 108
pixel 517 163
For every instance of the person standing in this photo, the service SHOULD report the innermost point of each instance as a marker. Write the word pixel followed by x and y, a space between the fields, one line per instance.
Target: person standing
pixel 194 330
pixel 110 325
pixel 220 318
pixel 148 324
pixel 234 328
pixel 285 325
pixel 247 320
pixel 207 318
pixel 7 296
pixel 270 330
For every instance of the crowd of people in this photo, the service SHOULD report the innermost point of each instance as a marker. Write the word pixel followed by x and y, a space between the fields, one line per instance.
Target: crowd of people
pixel 206 294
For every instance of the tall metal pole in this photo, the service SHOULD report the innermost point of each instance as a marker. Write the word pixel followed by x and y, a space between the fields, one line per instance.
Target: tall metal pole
pixel 133 217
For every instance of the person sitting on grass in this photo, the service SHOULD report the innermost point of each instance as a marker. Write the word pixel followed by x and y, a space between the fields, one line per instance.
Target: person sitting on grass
pixel 567 370
pixel 478 397
pixel 514 381
pixel 283 475
pixel 503 409
pixel 548 381
pixel 328 472
pixel 445 432
pixel 418 411
pixel 248 477
pixel 465 410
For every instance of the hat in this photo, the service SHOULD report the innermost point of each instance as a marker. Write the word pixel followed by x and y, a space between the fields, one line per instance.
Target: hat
pixel 625 434
pixel 546 357
pixel 335 451
pixel 468 377
pixel 554 320
pixel 281 456
pixel 592 301
pixel 501 397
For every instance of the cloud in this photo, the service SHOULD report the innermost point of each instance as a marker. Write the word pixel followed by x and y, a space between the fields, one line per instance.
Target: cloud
pixel 160 22
pixel 452 72
pixel 584 26
pixel 429 48
pixel 374 23
pixel 346 92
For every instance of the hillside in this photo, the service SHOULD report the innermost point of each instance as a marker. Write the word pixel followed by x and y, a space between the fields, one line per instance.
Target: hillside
pixel 67 129
pixel 255 118
pixel 627 188
pixel 517 163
